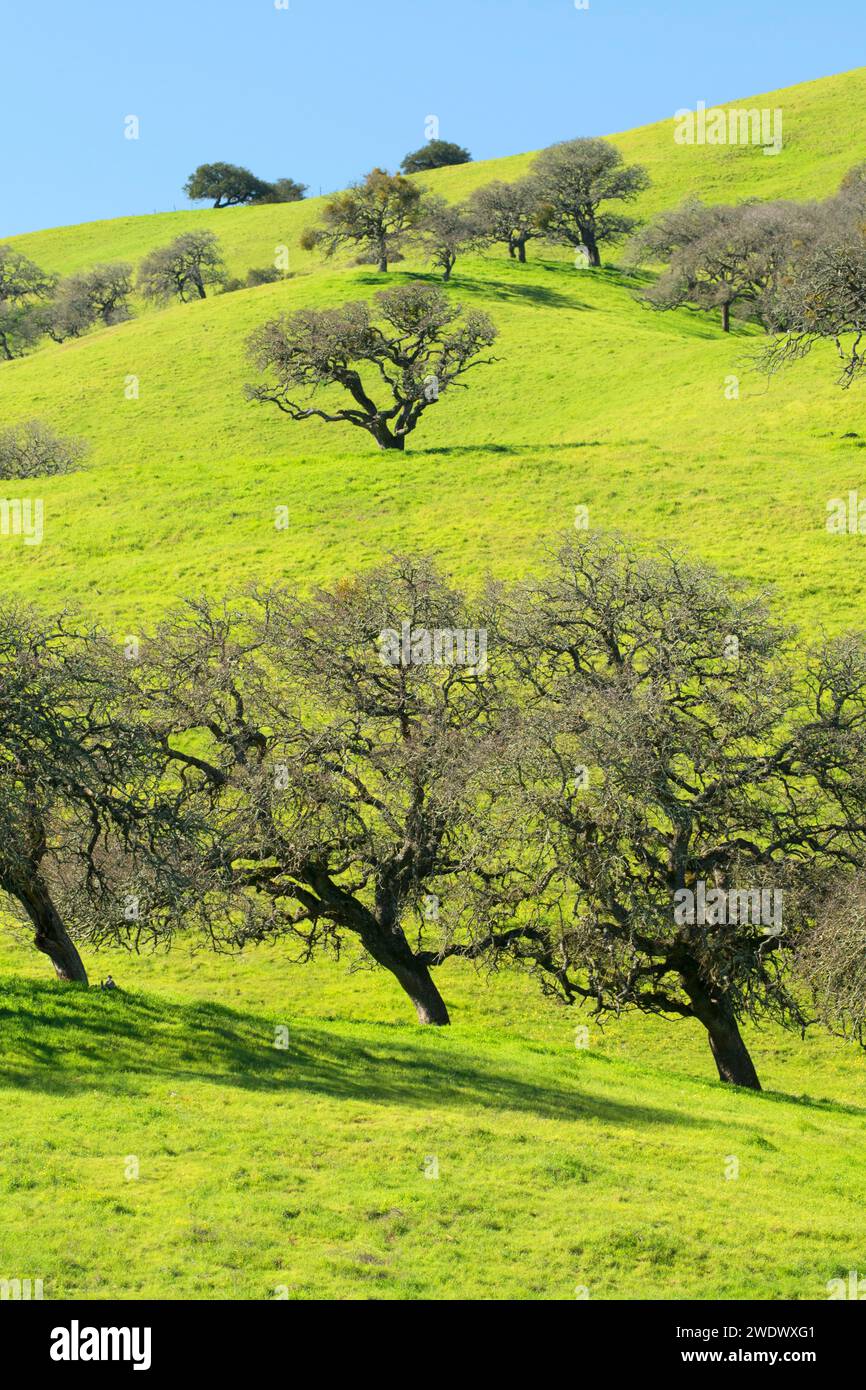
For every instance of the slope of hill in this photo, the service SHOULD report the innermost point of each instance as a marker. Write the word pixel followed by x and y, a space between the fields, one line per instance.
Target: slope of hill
pixel 158 1145
pixel 824 129
pixel 558 1168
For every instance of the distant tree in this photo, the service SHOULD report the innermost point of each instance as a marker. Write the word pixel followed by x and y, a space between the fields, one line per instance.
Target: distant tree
pixel 33 450
pixel 263 275
pixel 22 285
pixel 227 185
pixel 687 786
pixel 282 191
pixel 183 268
pixel 831 957
pixel 100 293
pixel 375 215
pixel 417 346
pixel 346 771
pixel 446 230
pixel 718 256
pixel 507 212
pixel 574 179
pixel 86 826
pixel 67 314
pixel 820 297
pixel 436 154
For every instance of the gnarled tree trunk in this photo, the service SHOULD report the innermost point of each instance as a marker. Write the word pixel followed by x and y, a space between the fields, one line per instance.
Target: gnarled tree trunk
pixel 417 981
pixel 51 936
pixel 730 1053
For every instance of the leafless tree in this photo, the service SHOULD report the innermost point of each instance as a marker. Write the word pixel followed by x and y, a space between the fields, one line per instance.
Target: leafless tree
pixel 34 450
pixel 678 749
pixel 344 737
pixel 182 269
pixel 87 820
pixel 418 345
pixel 507 212
pixel 720 256
pixel 446 231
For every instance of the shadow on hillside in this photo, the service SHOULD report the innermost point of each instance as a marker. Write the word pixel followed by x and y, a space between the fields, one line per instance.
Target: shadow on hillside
pixel 63 1041
pixel 496 289
pixel 460 449
pixel 532 294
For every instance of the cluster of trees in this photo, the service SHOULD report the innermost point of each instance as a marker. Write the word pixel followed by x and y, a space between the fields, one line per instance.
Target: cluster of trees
pixel 230 185
pixel 797 268
pixel 35 304
pixel 314 768
pixel 567 198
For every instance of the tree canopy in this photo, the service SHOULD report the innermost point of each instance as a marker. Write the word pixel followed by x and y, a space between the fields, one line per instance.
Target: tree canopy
pixel 436 154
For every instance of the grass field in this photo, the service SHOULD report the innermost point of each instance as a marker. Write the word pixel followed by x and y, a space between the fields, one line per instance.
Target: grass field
pixel 304 1170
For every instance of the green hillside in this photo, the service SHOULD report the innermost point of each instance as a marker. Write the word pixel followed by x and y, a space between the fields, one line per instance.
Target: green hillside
pixel 559 1167
pixel 595 400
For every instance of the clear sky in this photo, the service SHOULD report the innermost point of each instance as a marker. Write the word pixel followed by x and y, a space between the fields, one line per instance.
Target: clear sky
pixel 322 90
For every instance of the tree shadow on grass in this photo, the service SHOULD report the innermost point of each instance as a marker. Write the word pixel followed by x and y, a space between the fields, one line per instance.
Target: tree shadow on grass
pixel 530 293
pixel 458 449
pixel 61 1040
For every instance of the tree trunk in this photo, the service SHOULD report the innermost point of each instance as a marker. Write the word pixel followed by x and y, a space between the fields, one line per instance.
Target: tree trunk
pixel 521 252
pixel 51 937
pixel 386 440
pixel 417 981
pixel 726 318
pixel 730 1053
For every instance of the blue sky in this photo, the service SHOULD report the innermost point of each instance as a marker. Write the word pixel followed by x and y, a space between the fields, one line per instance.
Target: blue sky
pixel 324 89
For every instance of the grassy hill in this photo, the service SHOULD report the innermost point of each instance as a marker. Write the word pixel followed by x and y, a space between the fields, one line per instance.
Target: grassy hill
pixel 559 1167
pixel 304 1169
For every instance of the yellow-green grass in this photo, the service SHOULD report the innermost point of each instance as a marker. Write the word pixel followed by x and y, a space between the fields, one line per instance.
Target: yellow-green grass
pixel 559 1167
pixel 594 401
pixel 620 1168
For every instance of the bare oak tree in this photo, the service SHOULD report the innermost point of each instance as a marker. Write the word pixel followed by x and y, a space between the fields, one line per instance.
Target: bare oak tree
pixel 507 212
pixel 342 737
pixel 695 781
pixel 85 817
pixel 447 230
pixel 719 256
pixel 183 268
pixel 416 347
